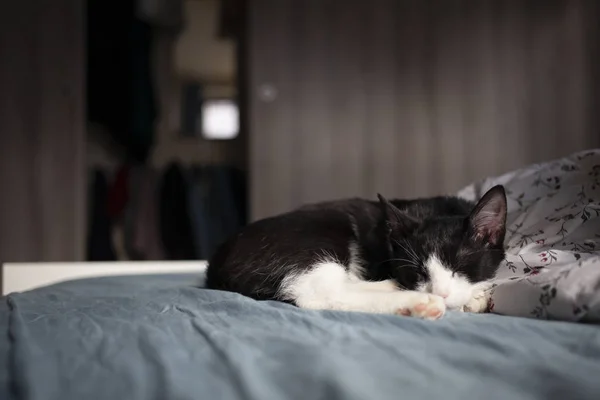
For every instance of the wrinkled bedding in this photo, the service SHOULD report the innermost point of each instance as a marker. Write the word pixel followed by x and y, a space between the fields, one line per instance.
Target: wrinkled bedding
pixel 552 267
pixel 161 337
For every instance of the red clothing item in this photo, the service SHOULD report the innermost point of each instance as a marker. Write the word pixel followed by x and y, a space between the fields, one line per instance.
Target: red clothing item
pixel 118 194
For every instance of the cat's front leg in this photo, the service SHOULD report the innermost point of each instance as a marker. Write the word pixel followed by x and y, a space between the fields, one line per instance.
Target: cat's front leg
pixel 327 286
pixel 480 300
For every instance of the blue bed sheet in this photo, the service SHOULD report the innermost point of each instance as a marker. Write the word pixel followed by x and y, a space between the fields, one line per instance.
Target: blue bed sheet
pixel 160 337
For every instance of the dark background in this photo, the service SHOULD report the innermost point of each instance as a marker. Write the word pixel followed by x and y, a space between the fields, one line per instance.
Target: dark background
pixel 337 98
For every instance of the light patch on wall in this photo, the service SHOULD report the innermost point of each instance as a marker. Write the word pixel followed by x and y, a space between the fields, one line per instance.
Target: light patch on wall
pixel 220 119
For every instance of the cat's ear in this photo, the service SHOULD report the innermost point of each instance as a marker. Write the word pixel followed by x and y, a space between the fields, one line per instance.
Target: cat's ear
pixel 487 221
pixel 395 219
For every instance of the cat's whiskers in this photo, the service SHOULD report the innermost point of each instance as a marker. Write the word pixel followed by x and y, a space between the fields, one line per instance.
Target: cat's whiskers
pixel 407 247
pixel 409 251
pixel 410 264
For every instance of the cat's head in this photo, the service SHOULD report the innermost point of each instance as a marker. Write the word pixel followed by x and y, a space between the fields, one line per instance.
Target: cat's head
pixel 450 256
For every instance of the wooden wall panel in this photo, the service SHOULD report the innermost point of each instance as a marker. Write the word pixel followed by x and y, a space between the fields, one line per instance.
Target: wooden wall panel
pixel 413 98
pixel 272 154
pixel 42 139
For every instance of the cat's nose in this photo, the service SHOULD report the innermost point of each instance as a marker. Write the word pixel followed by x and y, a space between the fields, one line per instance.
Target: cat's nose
pixel 444 294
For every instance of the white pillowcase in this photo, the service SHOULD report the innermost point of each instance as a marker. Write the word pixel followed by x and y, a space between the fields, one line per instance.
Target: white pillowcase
pixel 552 267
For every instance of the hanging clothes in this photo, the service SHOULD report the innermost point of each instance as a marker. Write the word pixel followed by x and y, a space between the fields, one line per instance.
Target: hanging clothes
pixel 146 235
pixel 214 207
pixel 99 240
pixel 174 218
pixel 142 237
pixel 136 177
pixel 118 194
pixel 240 194
pixel 183 214
pixel 225 198
pixel 118 199
pixel 198 210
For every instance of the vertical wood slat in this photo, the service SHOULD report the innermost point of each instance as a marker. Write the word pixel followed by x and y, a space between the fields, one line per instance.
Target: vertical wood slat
pixel 414 111
pixel 312 156
pixel 382 94
pixel 574 84
pixel 448 91
pixel 42 168
pixel 348 90
pixel 414 98
pixel 271 107
pixel 512 79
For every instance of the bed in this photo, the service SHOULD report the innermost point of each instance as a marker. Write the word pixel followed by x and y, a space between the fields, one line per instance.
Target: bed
pixel 165 336
pixel 161 337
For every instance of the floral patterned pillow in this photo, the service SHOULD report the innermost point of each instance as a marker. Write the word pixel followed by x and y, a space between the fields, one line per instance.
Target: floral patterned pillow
pixel 552 267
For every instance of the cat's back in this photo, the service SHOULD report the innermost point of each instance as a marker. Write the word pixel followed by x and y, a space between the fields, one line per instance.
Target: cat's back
pixel 333 219
pixel 270 248
pixel 432 207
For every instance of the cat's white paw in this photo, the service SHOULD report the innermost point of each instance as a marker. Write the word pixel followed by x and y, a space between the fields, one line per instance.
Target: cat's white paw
pixel 479 302
pixel 424 306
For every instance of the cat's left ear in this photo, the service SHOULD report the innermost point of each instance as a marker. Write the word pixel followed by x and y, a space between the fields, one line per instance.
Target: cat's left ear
pixel 395 219
pixel 487 221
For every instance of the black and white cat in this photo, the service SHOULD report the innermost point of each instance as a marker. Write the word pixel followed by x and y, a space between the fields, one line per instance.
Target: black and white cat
pixel 409 257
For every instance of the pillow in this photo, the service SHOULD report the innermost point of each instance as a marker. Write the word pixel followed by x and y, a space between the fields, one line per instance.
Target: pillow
pixel 552 266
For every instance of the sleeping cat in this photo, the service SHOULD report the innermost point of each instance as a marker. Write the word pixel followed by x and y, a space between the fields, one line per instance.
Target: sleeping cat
pixel 409 257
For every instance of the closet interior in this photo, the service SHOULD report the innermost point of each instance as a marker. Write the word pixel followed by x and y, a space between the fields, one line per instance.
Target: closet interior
pixel 166 159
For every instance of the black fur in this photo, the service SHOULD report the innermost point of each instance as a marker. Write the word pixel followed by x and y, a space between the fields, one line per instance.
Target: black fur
pixel 466 236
